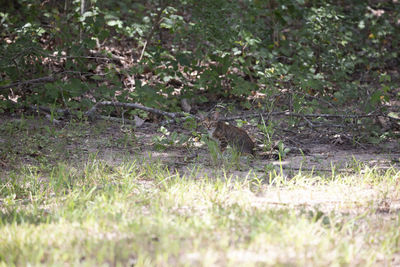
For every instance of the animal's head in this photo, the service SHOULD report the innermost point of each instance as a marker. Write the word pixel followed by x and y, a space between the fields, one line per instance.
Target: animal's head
pixel 210 121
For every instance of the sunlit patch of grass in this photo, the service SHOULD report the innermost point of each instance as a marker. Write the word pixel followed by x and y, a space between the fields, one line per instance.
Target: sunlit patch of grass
pixel 142 213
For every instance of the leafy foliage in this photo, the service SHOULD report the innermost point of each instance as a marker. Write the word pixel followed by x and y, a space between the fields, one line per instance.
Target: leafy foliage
pixel 308 53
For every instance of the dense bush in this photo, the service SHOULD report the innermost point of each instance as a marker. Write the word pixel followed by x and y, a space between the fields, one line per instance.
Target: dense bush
pixel 300 53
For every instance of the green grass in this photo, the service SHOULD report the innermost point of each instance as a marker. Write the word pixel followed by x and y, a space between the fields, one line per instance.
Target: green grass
pixel 116 208
pixel 141 213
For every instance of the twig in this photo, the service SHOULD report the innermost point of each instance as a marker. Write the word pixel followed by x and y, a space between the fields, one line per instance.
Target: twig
pixel 92 111
pixel 83 57
pixel 46 79
pixel 3 163
pixel 62 112
pixel 326 125
pixel 155 25
pixel 353 140
pixel 308 121
pixel 96 55
pixel 287 113
pixel 330 115
pixel 45 111
pixel 114 57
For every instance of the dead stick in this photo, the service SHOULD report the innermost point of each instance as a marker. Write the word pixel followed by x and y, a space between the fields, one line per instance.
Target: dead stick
pixel 50 78
pixel 155 25
pixel 173 115
pixel 286 113
pixel 45 111
pixel 62 112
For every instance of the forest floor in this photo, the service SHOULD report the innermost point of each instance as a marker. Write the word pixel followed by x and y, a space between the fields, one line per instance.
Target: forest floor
pixel 29 141
pixel 101 192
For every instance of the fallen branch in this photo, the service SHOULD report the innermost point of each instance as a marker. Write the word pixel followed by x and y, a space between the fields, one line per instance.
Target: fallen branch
pixel 45 111
pixel 3 163
pixel 343 116
pixel 97 56
pixel 62 112
pixel 293 114
pixel 91 113
pixel 46 79
pixel 325 125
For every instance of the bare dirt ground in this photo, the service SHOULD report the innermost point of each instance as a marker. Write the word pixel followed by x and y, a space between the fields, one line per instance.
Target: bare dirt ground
pixel 318 155
pixel 29 140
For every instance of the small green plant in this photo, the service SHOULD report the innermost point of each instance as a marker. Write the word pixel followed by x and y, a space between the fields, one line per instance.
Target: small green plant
pixel 61 179
pixel 355 164
pixel 128 138
pixel 282 150
pixel 50 130
pixel 234 160
pixel 168 139
pixel 213 149
pixel 268 132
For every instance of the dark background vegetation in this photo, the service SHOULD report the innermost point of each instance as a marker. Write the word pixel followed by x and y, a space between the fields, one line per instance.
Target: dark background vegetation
pixel 300 56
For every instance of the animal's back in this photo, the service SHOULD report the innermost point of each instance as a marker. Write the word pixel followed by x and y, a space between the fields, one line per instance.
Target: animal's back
pixel 234 136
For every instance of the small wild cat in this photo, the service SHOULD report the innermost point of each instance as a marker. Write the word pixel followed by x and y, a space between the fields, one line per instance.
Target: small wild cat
pixel 226 134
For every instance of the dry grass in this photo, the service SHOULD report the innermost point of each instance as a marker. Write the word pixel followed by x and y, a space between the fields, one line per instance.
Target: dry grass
pixel 139 212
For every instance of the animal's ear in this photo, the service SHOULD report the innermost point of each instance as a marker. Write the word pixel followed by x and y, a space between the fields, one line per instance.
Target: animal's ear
pixel 215 116
pixel 201 116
